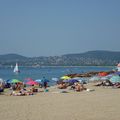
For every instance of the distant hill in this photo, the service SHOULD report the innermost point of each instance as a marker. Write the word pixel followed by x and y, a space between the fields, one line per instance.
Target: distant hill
pixel 97 57
pixel 11 57
pixel 90 58
pixel 98 54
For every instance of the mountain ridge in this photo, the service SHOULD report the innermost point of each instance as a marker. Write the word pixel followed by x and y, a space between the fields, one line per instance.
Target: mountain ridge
pixel 96 57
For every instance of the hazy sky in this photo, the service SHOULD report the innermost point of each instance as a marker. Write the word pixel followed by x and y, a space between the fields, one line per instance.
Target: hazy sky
pixel 56 27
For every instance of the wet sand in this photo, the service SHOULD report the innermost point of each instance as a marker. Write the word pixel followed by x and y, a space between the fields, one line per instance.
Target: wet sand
pixel 101 104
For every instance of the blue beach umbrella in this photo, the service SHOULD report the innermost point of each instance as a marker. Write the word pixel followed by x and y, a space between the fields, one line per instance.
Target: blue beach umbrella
pixel 8 81
pixel 71 81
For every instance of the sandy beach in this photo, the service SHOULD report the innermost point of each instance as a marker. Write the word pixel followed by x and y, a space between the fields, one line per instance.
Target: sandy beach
pixel 101 104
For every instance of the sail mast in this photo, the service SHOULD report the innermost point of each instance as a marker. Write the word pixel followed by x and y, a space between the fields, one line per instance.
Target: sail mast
pixel 16 70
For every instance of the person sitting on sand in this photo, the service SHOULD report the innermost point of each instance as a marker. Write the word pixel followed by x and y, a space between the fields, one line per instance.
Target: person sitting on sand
pixel 62 86
pixel 79 87
pixel 15 93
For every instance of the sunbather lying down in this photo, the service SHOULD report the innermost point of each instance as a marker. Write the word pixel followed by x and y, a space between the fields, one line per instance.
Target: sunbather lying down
pixel 22 92
pixel 105 83
pixel 78 87
pixel 116 85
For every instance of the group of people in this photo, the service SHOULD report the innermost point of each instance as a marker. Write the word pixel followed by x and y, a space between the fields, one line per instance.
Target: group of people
pixel 109 83
pixel 24 92
pixel 78 87
pixel 75 86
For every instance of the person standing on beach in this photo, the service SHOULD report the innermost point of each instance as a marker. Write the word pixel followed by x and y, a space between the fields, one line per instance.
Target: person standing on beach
pixel 45 84
pixel 44 81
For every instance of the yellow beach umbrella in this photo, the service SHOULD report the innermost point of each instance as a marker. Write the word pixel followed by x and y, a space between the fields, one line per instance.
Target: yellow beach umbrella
pixel 65 77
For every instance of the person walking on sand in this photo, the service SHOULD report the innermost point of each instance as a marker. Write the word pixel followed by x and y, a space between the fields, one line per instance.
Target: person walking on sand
pixel 45 82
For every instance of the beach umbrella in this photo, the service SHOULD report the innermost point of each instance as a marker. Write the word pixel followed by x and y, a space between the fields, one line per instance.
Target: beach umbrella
pixel 55 79
pixel 83 80
pixel 1 80
pixel 72 81
pixel 115 79
pixel 77 78
pixel 38 80
pixel 31 83
pixel 94 78
pixel 15 81
pixel 8 81
pixel 65 77
pixel 110 75
pixel 103 74
pixel 104 78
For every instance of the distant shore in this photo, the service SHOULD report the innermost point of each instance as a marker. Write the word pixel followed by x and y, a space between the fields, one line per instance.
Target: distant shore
pixel 53 66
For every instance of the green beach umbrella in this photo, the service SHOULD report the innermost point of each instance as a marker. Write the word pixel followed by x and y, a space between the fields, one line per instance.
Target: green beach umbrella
pixel 15 81
pixel 115 79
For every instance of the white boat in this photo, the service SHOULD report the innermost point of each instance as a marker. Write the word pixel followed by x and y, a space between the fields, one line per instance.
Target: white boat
pixel 16 70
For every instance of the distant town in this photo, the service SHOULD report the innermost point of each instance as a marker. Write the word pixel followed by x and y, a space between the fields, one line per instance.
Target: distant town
pixel 90 58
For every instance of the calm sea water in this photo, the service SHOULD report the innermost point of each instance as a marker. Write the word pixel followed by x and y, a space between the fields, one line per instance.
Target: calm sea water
pixel 48 72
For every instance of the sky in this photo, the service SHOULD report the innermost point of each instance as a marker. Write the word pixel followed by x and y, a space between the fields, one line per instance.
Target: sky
pixel 56 27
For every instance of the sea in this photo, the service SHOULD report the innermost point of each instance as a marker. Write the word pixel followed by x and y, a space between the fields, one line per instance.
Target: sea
pixel 50 73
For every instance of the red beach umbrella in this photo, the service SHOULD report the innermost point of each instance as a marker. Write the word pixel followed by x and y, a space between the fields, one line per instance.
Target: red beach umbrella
pixel 31 83
pixel 103 74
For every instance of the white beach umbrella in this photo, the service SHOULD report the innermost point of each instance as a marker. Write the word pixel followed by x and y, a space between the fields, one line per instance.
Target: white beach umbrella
pixel 94 78
pixel 55 79
pixel 104 78
pixel 1 80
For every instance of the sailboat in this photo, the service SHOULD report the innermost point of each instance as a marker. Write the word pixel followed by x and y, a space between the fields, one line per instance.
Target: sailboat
pixel 16 70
